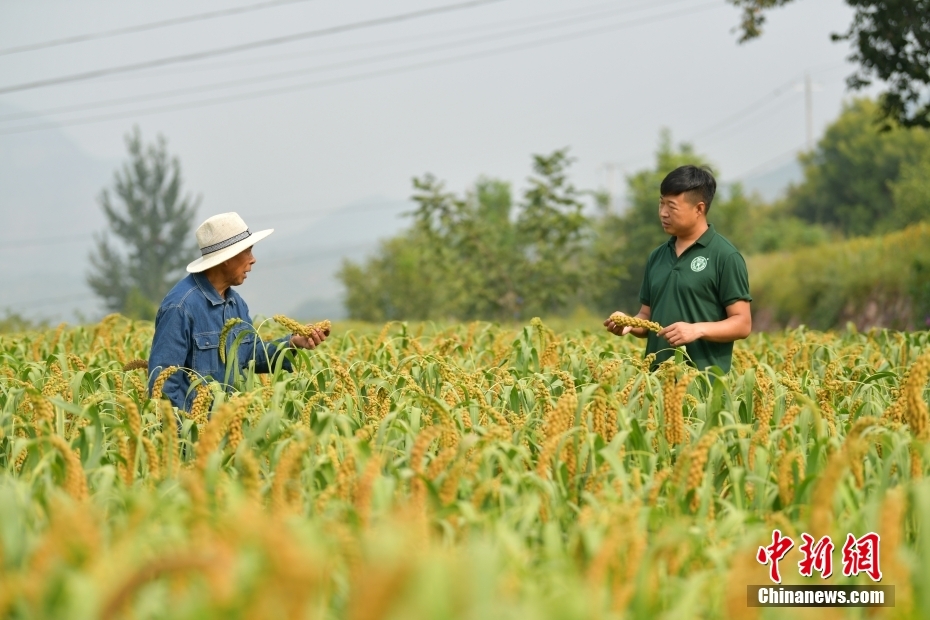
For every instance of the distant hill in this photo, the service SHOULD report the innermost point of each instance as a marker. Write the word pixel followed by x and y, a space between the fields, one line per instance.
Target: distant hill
pixel 49 211
pixel 296 268
pixel 48 190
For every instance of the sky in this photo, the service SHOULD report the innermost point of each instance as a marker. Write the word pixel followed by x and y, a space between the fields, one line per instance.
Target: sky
pixel 361 96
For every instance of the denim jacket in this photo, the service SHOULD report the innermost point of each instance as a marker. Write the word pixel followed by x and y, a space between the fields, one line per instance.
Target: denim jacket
pixel 187 334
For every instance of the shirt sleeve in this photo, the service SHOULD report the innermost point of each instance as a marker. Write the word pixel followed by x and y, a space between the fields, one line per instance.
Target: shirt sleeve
pixel 171 347
pixel 644 290
pixel 734 281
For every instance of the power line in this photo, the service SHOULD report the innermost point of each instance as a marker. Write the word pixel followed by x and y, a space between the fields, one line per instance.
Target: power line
pixel 736 129
pixel 322 68
pixel 768 162
pixel 242 47
pixel 439 34
pixel 80 38
pixel 757 105
pixel 751 108
pixel 359 77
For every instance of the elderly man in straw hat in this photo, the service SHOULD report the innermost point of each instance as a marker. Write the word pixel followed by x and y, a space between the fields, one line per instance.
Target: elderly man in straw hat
pixel 194 312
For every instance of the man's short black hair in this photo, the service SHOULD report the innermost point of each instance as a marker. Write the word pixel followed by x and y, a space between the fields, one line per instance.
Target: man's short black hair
pixel 698 182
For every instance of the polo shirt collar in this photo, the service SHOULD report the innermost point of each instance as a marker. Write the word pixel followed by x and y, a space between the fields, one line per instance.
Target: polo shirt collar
pixel 207 289
pixel 708 235
pixel 703 241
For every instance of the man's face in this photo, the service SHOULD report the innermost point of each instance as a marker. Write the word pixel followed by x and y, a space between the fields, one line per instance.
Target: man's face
pixel 238 267
pixel 680 213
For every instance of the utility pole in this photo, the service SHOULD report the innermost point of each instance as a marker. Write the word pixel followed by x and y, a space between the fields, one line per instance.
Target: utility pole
pixel 808 87
pixel 809 109
pixel 611 168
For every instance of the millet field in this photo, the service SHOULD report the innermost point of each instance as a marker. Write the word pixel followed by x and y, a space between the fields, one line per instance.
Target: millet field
pixel 469 472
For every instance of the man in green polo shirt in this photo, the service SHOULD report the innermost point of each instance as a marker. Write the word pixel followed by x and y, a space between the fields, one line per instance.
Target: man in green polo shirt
pixel 696 285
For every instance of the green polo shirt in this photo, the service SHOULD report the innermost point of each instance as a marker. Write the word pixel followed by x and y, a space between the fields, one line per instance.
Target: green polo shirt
pixel 695 287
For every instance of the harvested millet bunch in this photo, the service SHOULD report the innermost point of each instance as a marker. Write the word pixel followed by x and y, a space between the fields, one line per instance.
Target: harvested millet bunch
pixel 631 321
pixel 301 329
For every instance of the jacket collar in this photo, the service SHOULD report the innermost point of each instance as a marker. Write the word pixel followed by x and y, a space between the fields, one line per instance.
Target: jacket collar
pixel 207 289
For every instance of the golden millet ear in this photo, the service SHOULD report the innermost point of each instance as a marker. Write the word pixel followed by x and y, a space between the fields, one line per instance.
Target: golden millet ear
pixel 632 321
pixel 300 329
pixel 224 334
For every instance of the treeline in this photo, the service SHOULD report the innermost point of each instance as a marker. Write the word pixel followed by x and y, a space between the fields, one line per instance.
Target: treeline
pixel 868 281
pixel 484 255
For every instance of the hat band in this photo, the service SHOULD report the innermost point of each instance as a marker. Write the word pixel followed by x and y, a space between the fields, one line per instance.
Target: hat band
pixel 210 249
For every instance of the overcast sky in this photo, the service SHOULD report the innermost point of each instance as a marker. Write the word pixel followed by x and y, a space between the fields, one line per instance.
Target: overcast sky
pixel 353 115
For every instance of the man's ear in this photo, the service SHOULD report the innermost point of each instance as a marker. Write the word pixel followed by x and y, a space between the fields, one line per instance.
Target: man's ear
pixel 702 208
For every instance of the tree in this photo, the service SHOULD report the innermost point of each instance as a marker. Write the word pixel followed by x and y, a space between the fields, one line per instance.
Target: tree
pixel 634 234
pixel 398 282
pixel 849 177
pixel 777 231
pixel 622 242
pixel 478 256
pixel 551 230
pixel 605 271
pixel 891 39
pixel 471 257
pixel 911 194
pixel 472 241
pixel 13 322
pixel 453 262
pixel 153 222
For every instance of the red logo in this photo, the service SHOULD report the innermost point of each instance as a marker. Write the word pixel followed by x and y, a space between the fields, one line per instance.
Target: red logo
pixel 817 557
pixel 861 556
pixel 774 553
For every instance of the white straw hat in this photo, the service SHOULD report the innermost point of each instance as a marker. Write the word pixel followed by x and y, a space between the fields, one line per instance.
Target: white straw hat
pixel 221 237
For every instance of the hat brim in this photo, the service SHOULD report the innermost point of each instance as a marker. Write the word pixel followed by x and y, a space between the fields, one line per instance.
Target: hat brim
pixel 212 260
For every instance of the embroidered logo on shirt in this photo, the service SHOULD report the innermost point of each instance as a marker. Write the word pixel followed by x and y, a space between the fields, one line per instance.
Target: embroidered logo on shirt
pixel 698 264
